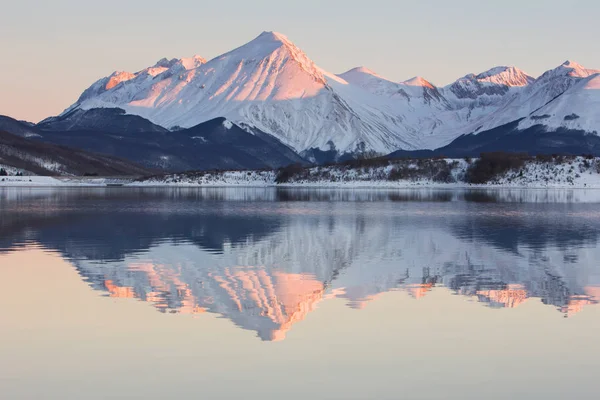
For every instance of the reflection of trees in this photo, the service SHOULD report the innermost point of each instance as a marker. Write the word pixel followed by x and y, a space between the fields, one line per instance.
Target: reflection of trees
pixel 86 224
pixel 536 226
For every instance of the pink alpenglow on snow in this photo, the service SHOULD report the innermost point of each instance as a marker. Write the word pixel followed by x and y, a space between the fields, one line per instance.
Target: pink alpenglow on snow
pixel 272 85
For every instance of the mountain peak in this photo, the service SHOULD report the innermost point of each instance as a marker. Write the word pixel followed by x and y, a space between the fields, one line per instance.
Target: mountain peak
pixel 570 68
pixel 363 70
pixel 268 42
pixel 572 64
pixel 496 71
pixel 505 75
pixel 273 36
pixel 357 73
pixel 496 81
pixel 272 48
pixel 192 62
pixel 577 70
pixel 263 46
pixel 165 63
pixel 418 81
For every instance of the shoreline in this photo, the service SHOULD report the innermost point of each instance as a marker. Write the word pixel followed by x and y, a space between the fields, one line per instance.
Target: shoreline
pixel 502 171
pixel 52 182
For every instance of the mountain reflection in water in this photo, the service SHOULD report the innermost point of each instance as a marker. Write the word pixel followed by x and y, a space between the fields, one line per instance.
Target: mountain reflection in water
pixel 265 258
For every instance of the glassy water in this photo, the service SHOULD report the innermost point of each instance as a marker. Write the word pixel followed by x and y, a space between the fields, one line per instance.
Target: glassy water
pixel 297 293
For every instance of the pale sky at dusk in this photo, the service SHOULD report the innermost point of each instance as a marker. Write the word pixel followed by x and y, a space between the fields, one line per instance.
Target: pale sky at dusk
pixel 52 51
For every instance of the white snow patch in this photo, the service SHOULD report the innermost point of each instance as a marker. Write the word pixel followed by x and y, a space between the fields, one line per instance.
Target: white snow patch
pixel 30 181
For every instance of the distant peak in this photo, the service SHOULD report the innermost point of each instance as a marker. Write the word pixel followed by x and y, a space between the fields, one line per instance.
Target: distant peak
pixel 364 70
pixel 270 40
pixel 165 63
pixel 572 69
pixel 360 70
pixel 496 81
pixel 504 75
pixel 418 81
pixel 276 36
pixel 572 64
pixel 497 70
pixel 192 62
pixel 263 45
pixel 502 69
pixel 273 45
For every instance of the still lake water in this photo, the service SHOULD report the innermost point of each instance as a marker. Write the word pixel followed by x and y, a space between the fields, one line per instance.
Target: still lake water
pixel 294 293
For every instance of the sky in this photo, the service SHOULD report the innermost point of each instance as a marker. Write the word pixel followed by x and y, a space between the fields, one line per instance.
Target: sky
pixel 52 51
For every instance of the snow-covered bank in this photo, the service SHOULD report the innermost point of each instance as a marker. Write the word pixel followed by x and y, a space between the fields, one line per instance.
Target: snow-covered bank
pixel 30 181
pixel 540 172
pixel 66 181
pixel 560 172
pixel 217 179
pixel 12 171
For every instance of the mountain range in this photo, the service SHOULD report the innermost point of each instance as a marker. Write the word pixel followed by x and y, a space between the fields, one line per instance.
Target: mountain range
pixel 276 97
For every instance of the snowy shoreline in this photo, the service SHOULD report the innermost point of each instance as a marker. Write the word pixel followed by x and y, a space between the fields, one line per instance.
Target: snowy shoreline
pixel 559 173
pixel 571 173
pixel 50 182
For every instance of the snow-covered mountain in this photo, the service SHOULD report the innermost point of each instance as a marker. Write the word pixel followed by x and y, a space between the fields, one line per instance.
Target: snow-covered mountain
pixel 497 81
pixel 147 74
pixel 545 90
pixel 271 85
pixel 577 107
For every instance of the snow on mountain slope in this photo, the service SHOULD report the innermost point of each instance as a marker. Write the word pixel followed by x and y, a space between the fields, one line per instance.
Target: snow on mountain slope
pixel 506 94
pixel 527 102
pixel 192 62
pixel 572 69
pixel 418 81
pixel 432 117
pixel 577 108
pixel 509 76
pixel 416 88
pixel 107 83
pixel 271 85
pixel 487 88
pixel 371 82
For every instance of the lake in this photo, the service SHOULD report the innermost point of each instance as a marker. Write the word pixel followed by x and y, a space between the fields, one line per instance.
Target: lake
pixel 119 293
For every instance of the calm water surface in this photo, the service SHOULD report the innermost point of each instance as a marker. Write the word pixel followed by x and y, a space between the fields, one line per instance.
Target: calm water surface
pixel 294 294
